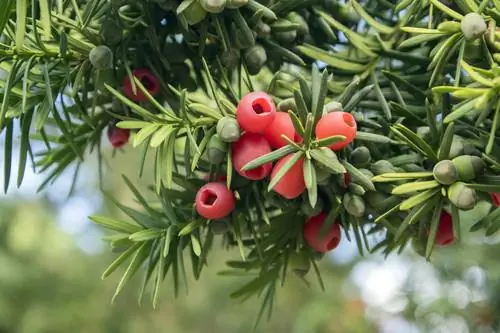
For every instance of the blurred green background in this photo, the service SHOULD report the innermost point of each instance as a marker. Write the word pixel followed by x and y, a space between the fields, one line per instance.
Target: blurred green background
pixel 51 259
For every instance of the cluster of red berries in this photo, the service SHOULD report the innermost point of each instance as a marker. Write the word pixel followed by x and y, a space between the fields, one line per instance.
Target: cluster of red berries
pixel 264 130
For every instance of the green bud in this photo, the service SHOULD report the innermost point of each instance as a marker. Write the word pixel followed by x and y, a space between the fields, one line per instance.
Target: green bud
pixel 287 105
pixel 213 6
pixel 356 189
pixel 255 57
pixel 101 57
pixel 419 245
pixel 193 12
pixel 216 150
pixel 236 3
pixel 468 167
pixel 218 227
pixel 457 148
pixel 445 172
pixel 381 167
pixel 354 204
pixel 308 210
pixel 296 18
pixel 361 157
pixel 462 196
pixel 473 26
pixel 299 263
pixel 230 58
pixel 228 129
pixel 333 106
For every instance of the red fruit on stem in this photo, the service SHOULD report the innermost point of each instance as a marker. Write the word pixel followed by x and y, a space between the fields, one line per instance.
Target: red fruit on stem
pixel 148 80
pixel 495 199
pixel 312 235
pixel 118 137
pixel 444 235
pixel 292 184
pixel 214 201
pixel 255 112
pixel 246 149
pixel 281 125
pixel 337 123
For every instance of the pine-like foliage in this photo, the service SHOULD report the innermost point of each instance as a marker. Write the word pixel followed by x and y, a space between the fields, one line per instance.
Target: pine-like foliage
pixel 421 79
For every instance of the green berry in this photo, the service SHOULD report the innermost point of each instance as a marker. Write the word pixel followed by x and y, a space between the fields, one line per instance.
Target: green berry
pixel 445 172
pixel 473 26
pixel 361 157
pixel 468 167
pixel 286 37
pixel 462 196
pixel 228 129
pixel 111 32
pixel 213 6
pixel 255 58
pixel 101 57
pixel 354 204
pixel 216 150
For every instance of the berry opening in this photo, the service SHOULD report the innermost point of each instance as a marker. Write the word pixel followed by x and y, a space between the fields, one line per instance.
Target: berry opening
pixel 333 243
pixel 148 82
pixel 261 106
pixel 208 198
pixel 257 173
pixel 349 120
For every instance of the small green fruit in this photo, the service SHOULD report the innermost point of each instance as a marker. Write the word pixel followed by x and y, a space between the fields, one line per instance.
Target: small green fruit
pixel 445 172
pixel 255 57
pixel 381 167
pixel 228 129
pixel 286 37
pixel 287 105
pixel 361 157
pixel 299 263
pixel 111 32
pixel 354 204
pixel 462 196
pixel 101 57
pixel 473 26
pixel 216 150
pixel 468 167
pixel 213 6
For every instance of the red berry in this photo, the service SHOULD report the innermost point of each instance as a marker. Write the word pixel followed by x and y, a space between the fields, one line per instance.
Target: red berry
pixel 337 123
pixel 331 237
pixel 281 125
pixel 255 112
pixel 444 235
pixel 292 184
pixel 147 79
pixel 495 199
pixel 214 201
pixel 246 149
pixel 118 136
pixel 347 179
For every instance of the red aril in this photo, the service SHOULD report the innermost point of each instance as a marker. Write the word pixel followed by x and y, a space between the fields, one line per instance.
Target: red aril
pixel 330 239
pixel 118 137
pixel 246 149
pixel 495 199
pixel 337 123
pixel 214 201
pixel 147 79
pixel 292 184
pixel 281 125
pixel 444 235
pixel 255 112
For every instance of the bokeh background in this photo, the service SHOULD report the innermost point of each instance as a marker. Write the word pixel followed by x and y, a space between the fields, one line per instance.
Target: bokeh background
pixel 52 257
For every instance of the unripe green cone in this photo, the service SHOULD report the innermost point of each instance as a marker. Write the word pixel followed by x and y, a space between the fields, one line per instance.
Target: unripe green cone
pixel 361 157
pixel 193 12
pixel 228 129
pixel 308 210
pixel 381 167
pixel 356 189
pixel 468 167
pixel 299 263
pixel 287 105
pixel 218 227
pixel 255 57
pixel 213 6
pixel 333 106
pixel 473 26
pixel 354 204
pixel 445 172
pixel 216 150
pixel 101 57
pixel 462 196
pixel 236 3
